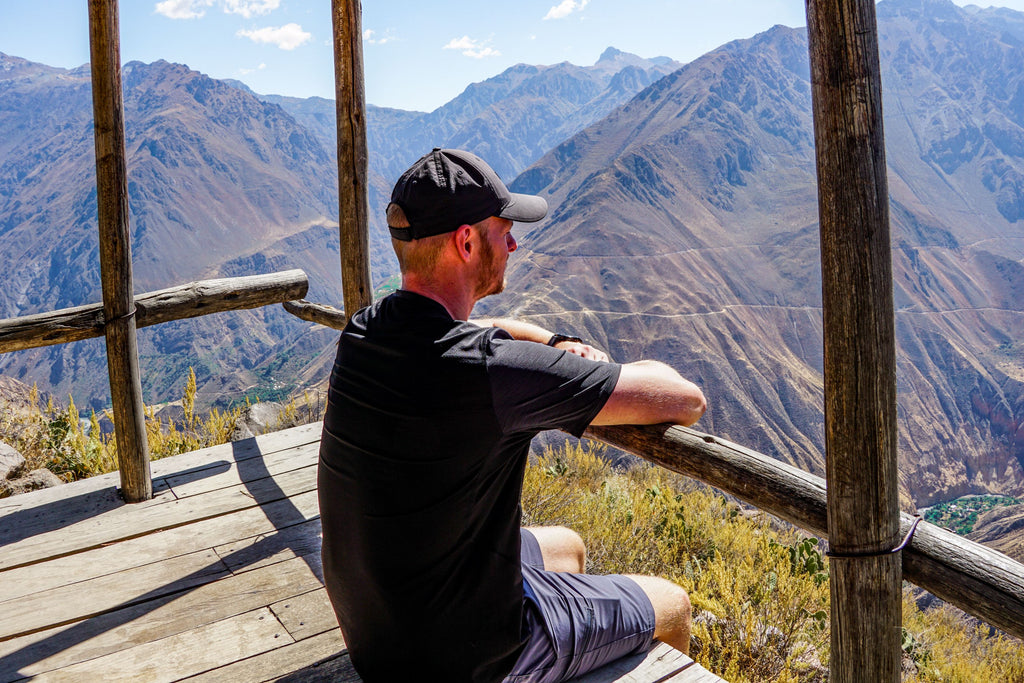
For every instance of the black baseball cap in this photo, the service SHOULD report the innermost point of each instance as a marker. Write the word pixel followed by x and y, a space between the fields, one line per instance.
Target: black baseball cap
pixel 449 187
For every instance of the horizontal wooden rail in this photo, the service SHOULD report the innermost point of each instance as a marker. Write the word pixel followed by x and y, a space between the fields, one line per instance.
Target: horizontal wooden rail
pixel 185 301
pixel 328 316
pixel 978 580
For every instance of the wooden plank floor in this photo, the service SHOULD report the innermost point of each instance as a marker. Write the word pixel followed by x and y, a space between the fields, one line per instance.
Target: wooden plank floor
pixel 217 578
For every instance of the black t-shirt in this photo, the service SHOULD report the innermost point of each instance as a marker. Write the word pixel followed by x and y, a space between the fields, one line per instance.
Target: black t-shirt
pixel 428 427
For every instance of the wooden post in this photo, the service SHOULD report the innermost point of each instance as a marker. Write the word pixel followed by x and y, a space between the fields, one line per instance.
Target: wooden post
pixel 352 188
pixel 116 252
pixel 860 356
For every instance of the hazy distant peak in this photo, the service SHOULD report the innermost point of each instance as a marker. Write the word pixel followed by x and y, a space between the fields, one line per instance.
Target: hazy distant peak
pixel 162 65
pixel 611 54
pixel 616 58
pixel 10 63
pixel 662 60
pixel 522 68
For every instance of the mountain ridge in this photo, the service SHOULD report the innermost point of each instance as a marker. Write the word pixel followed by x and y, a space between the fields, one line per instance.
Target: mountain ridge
pixel 222 182
pixel 683 226
pixel 703 185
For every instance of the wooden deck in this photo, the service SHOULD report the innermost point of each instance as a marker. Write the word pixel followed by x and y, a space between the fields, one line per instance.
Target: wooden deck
pixel 215 579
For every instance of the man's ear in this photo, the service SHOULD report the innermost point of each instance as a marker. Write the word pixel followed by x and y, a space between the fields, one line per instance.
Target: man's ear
pixel 464 241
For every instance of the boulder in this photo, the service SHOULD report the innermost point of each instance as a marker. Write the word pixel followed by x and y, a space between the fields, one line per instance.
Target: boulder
pixel 10 460
pixel 257 418
pixel 34 480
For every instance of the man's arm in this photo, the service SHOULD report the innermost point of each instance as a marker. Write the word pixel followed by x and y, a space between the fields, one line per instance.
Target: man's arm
pixel 649 392
pixel 525 331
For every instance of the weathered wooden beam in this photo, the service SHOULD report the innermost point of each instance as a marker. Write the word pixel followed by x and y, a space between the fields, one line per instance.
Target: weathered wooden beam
pixel 350 100
pixel 175 303
pixel 859 339
pixel 321 314
pixel 116 252
pixel 978 580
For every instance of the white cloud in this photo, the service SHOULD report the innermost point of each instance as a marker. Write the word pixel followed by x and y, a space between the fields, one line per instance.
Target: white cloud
pixel 182 9
pixel 246 72
pixel 287 37
pixel 250 8
pixel 565 8
pixel 370 36
pixel 471 48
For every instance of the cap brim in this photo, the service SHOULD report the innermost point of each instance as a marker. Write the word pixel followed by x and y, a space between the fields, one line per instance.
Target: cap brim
pixel 525 208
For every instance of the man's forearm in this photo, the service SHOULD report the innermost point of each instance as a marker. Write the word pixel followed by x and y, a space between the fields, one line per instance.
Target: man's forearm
pixel 524 331
pixel 650 392
pixel 519 329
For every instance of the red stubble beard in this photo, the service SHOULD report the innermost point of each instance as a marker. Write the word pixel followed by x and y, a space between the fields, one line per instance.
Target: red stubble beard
pixel 492 274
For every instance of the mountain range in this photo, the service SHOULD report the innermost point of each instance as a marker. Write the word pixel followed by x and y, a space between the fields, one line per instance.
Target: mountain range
pixel 223 182
pixel 686 228
pixel 683 225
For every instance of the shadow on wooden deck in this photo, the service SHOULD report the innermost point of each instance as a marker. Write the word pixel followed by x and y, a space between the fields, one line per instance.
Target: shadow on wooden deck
pixel 217 578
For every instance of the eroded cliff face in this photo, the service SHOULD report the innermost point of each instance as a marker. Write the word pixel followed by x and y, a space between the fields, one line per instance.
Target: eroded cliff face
pixel 684 227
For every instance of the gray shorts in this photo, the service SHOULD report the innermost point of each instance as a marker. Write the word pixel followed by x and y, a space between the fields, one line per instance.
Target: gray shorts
pixel 575 623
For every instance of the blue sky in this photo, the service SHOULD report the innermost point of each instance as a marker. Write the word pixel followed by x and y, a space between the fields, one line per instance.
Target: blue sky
pixel 418 55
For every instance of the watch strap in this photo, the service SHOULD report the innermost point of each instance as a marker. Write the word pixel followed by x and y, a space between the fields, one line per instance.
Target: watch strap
pixel 558 338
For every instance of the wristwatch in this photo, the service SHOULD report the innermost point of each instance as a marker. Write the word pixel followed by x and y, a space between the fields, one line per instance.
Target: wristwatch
pixel 557 338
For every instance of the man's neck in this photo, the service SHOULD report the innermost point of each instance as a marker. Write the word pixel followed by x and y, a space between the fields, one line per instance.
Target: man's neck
pixel 453 298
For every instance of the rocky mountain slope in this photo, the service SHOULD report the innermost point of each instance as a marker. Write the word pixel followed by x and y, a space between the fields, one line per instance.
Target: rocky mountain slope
pixel 684 227
pixel 220 184
pixel 223 182
pixel 511 120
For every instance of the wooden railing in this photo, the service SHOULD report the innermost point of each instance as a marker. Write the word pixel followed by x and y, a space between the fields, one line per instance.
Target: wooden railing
pixel 329 316
pixel 981 581
pixel 175 303
pixel 977 579
pixel 122 312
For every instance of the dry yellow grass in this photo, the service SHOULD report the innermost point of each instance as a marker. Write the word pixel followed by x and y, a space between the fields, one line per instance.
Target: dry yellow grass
pixel 759 590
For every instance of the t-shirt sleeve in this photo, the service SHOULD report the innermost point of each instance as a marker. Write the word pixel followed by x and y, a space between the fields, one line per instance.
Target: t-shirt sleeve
pixel 536 387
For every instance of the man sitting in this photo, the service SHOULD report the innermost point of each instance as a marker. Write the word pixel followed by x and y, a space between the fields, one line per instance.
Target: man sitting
pixel 424 446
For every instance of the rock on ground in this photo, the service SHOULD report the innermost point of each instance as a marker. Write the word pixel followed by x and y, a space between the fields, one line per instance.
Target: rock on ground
pixel 34 480
pixel 257 418
pixel 10 460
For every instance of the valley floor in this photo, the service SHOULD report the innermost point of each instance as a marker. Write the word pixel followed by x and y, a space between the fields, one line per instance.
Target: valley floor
pixel 217 578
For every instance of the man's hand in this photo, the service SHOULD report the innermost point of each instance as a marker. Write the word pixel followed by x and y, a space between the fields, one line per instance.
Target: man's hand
pixel 583 350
